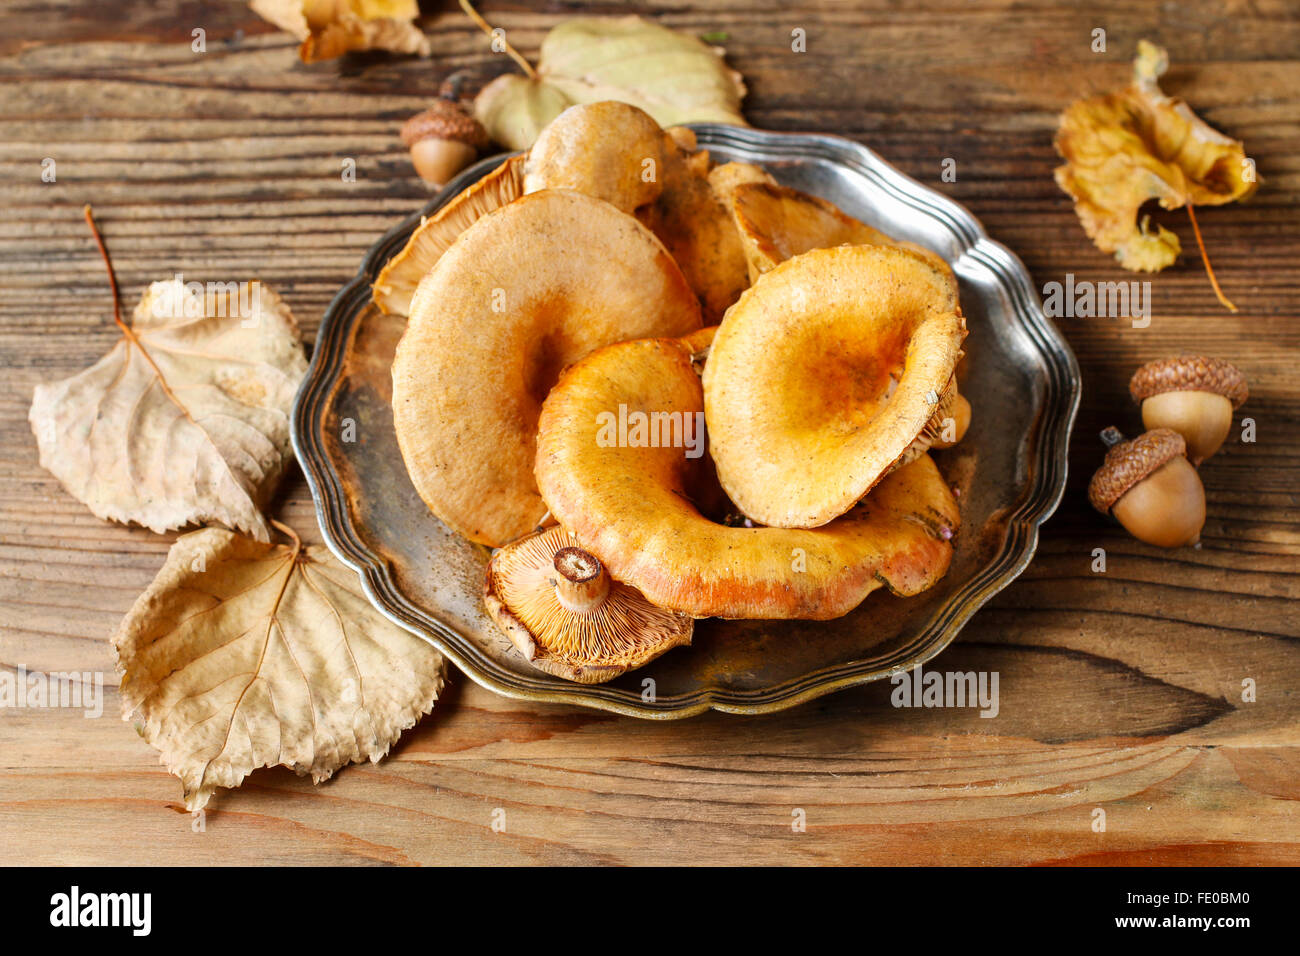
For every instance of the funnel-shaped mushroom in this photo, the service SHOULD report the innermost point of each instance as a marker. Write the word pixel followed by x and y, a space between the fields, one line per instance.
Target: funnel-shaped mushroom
pixel 777 223
pixel 631 495
pixel 397 281
pixel 567 617
pixel 526 290
pixel 823 374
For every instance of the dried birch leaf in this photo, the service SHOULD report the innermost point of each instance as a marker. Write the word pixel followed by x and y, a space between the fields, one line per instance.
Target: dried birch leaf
pixel 243 655
pixel 1126 148
pixel 672 76
pixel 186 419
pixel 331 28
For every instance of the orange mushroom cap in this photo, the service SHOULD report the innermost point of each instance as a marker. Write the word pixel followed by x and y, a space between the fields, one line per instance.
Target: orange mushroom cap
pixel 611 150
pixel 822 376
pixel 397 281
pixel 636 502
pixel 525 291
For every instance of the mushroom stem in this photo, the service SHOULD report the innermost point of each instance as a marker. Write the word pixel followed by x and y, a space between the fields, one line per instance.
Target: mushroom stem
pixel 1111 436
pixel 583 582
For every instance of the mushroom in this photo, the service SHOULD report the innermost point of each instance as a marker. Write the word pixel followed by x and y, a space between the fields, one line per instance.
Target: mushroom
pixel 728 177
pixel 396 282
pixel 640 505
pixel 1193 395
pixel 525 291
pixel 1151 487
pixel 618 153
pixel 951 418
pixel 777 223
pixel 611 150
pixel 823 375
pixel 695 224
pixel 567 617
pixel 955 410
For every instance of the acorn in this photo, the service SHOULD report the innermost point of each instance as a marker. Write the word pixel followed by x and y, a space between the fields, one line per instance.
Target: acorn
pixel 1193 395
pixel 1151 487
pixel 443 140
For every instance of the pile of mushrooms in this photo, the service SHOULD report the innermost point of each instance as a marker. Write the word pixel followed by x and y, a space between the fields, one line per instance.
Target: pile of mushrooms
pixel 788 370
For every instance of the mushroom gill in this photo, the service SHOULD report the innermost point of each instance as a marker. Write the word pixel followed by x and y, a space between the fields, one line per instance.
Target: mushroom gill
pixel 564 613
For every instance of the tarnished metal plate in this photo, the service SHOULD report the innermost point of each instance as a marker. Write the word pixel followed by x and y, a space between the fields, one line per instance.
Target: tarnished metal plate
pixel 1020 376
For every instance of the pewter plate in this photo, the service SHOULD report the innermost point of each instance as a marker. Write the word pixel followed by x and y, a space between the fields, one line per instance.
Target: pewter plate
pixel 1020 375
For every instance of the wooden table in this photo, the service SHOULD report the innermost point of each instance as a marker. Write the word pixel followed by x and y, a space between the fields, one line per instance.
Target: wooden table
pixel 1120 691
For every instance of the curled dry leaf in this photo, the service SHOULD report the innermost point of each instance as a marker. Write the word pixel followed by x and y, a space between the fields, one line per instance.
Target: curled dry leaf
pixel 672 76
pixel 186 419
pixel 1123 149
pixel 331 28
pixel 243 655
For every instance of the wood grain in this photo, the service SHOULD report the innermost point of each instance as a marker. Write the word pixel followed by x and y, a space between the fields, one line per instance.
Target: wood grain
pixel 1120 691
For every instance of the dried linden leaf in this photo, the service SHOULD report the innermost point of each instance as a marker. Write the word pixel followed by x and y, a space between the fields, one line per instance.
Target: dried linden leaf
pixel 243 655
pixel 330 28
pixel 186 420
pixel 672 76
pixel 1125 148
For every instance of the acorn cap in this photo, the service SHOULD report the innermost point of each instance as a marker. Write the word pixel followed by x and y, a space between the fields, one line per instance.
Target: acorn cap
pixel 445 119
pixel 1189 373
pixel 1129 462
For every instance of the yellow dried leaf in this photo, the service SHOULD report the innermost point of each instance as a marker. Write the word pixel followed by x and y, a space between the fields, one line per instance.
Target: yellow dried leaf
pixel 243 655
pixel 331 28
pixel 673 76
pixel 186 419
pixel 1123 149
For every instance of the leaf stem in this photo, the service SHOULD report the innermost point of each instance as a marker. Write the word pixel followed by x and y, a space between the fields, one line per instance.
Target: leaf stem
pixel 1209 270
pixel 108 264
pixel 127 332
pixel 487 28
pixel 289 533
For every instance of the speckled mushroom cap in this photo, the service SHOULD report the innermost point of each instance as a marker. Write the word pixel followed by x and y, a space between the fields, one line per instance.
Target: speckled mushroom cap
pixel 1189 373
pixel 397 281
pixel 445 119
pixel 527 290
pixel 1129 462
pixel 638 508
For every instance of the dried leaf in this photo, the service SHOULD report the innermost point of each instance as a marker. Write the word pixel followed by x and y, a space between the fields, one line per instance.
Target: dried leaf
pixel 1126 148
pixel 186 419
pixel 243 655
pixel 331 28
pixel 672 76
